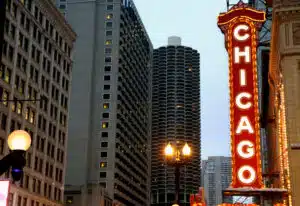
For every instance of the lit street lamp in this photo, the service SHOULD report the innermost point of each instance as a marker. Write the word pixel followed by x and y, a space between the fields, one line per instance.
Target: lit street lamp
pixel 18 142
pixel 177 158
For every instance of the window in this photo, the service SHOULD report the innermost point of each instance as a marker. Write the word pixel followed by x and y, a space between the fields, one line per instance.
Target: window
pixel 106 78
pixel 105 105
pixel 69 199
pixel 105 115
pixel 106 87
pixel 106 96
pixel 103 184
pixel 109 24
pixel 110 7
pixel 107 59
pixel 103 154
pixel 109 16
pixel 107 68
pixel 103 164
pixel 102 174
pixel 104 134
pixel 108 42
pixel 108 33
pixel 104 144
pixel 108 50
pixel 104 125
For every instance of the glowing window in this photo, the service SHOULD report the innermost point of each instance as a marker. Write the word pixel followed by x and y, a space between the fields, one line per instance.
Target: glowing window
pixel 109 16
pixel 103 164
pixel 104 125
pixel 108 42
pixel 105 105
pixel 19 107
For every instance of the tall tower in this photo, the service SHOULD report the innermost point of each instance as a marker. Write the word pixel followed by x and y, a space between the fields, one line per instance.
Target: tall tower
pixel 37 65
pixel 216 177
pixel 175 117
pixel 110 123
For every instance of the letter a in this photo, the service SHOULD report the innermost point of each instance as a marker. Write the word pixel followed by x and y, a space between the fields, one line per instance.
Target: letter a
pixel 244 124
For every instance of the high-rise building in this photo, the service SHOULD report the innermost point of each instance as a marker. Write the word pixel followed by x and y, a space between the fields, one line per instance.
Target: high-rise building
pixel 217 177
pixel 175 117
pixel 110 122
pixel 37 65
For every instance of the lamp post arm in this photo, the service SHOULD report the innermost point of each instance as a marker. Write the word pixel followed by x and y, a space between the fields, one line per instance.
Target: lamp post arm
pixel 177 183
pixel 15 159
pixel 5 163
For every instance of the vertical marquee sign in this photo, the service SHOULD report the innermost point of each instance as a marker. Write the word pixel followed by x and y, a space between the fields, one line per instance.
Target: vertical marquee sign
pixel 240 26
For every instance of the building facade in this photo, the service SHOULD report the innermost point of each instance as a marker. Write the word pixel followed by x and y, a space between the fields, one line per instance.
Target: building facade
pixel 175 117
pixel 217 177
pixel 263 56
pixel 37 65
pixel 93 194
pixel 110 122
pixel 283 112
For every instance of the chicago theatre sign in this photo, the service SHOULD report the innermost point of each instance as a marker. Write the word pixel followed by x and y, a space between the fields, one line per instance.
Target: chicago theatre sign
pixel 240 26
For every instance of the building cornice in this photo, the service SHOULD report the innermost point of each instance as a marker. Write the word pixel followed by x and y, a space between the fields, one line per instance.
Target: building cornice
pixel 54 15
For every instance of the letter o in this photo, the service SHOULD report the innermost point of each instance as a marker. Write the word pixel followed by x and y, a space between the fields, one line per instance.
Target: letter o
pixel 241 176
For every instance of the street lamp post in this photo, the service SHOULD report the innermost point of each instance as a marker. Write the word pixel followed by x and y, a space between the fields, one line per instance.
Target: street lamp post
pixel 177 158
pixel 18 142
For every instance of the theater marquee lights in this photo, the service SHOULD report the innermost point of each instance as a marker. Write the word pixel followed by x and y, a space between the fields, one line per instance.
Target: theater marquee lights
pixel 240 26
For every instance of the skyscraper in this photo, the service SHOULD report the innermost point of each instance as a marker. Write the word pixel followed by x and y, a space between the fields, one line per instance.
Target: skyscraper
pixel 217 177
pixel 37 65
pixel 110 122
pixel 175 117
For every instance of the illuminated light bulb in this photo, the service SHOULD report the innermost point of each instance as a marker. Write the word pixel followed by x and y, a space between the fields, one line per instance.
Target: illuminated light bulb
pixel 19 140
pixel 186 150
pixel 169 150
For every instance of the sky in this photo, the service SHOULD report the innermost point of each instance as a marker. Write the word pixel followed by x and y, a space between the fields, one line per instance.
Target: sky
pixel 195 21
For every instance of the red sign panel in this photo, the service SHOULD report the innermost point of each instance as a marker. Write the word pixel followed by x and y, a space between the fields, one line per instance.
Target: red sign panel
pixel 240 25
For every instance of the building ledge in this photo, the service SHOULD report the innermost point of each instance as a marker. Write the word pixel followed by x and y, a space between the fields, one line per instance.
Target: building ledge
pixel 247 191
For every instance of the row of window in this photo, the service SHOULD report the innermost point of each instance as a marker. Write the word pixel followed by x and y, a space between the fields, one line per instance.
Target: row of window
pixel 46 24
pixel 6 75
pixel 30 113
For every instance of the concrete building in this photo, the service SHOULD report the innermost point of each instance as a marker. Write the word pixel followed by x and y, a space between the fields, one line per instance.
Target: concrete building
pixel 217 177
pixel 37 64
pixel 284 112
pixel 93 194
pixel 175 117
pixel 110 122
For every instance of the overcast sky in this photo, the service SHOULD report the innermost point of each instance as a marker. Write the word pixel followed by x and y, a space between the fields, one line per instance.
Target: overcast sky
pixel 195 21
